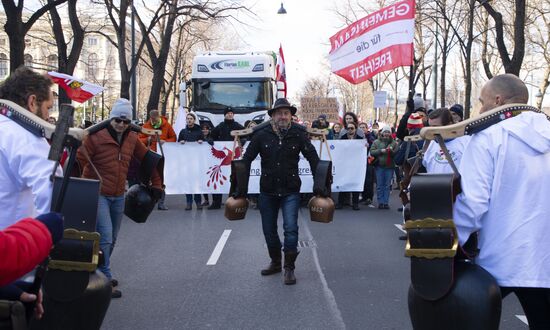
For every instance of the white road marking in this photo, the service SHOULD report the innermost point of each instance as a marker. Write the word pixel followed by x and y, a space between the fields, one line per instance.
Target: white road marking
pixel 399 226
pixel 329 295
pixel 219 248
pixel 523 318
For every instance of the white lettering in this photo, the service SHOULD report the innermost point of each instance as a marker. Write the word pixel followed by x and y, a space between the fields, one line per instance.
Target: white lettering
pixel 370 67
pixel 403 9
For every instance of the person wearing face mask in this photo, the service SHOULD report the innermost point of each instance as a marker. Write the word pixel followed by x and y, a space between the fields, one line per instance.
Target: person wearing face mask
pixel 279 146
pixel 384 149
pixel 191 133
pixel 110 150
pixel 351 129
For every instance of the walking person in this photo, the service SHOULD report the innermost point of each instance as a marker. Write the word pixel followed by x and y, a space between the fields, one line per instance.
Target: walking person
pixel 109 151
pixel 505 187
pixel 384 149
pixel 279 146
pixel 191 133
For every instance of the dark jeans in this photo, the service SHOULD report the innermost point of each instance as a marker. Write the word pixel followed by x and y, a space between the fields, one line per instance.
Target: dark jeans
pixel 189 198
pixel 535 303
pixel 269 206
pixel 217 199
pixel 368 188
pixel 343 198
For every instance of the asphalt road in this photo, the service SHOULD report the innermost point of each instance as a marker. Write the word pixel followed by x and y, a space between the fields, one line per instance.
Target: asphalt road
pixel 351 274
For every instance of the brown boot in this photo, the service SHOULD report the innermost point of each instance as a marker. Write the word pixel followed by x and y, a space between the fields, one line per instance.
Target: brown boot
pixel 290 258
pixel 275 264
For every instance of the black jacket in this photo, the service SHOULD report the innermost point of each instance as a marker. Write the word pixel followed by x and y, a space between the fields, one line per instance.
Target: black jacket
pixel 222 132
pixel 280 158
pixel 190 134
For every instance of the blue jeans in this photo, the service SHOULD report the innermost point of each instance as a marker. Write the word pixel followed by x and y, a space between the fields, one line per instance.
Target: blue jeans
pixel 269 206
pixel 189 198
pixel 109 217
pixel 383 184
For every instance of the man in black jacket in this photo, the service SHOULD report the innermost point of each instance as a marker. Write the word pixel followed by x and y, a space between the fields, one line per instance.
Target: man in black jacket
pixel 279 146
pixel 222 132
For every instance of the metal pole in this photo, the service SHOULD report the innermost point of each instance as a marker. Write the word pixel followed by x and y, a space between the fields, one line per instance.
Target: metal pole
pixel 434 101
pixel 134 67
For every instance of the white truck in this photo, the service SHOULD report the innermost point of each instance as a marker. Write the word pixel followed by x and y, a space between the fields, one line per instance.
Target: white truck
pixel 241 81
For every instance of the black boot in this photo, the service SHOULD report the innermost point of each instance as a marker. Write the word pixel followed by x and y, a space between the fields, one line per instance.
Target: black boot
pixel 290 258
pixel 275 264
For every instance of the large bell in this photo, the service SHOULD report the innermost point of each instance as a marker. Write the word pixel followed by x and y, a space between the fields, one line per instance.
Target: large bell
pixel 235 208
pixel 321 209
pixel 139 203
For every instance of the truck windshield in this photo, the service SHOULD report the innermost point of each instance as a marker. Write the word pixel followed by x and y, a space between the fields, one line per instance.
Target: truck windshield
pixel 243 97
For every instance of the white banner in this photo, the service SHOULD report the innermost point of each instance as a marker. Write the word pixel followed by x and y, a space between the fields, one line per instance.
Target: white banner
pixel 194 168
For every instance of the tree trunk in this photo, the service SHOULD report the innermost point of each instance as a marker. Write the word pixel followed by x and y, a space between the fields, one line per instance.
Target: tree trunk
pixel 543 87
pixel 468 61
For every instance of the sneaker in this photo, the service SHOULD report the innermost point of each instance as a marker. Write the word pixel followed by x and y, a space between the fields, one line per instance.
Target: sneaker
pixel 205 203
pixel 371 206
pixel 367 201
pixel 199 207
pixel 114 282
pixel 116 294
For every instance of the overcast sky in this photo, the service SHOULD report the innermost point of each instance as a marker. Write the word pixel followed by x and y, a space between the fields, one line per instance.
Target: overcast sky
pixel 304 33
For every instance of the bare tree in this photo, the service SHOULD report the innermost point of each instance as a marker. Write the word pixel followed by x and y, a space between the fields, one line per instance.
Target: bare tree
pixel 16 29
pixel 539 41
pixel 511 65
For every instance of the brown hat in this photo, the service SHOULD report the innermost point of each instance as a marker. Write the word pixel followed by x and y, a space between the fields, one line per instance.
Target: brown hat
pixel 282 103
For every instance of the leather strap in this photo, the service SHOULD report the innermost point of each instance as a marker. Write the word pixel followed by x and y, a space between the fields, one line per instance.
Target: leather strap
pixel 239 179
pixel 147 166
pixel 322 181
pixel 431 246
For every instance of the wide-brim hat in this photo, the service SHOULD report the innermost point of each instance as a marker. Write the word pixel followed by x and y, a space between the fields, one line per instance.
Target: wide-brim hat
pixel 282 103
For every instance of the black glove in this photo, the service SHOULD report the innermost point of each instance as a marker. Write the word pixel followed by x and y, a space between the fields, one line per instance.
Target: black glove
pixel 210 142
pixel 54 223
pixel 156 193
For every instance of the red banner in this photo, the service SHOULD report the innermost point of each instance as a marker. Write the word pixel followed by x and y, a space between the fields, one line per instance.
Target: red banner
pixel 378 42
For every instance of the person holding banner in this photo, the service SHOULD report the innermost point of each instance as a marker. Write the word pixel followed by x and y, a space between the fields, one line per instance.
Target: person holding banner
pixel 222 132
pixel 279 146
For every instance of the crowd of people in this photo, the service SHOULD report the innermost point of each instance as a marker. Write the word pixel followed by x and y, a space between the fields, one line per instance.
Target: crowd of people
pixel 520 145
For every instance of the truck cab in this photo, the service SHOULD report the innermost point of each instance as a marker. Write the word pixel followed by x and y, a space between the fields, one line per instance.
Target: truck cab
pixel 241 81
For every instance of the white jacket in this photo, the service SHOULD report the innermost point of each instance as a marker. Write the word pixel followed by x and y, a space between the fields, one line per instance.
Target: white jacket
pixel 506 197
pixel 434 159
pixel 25 187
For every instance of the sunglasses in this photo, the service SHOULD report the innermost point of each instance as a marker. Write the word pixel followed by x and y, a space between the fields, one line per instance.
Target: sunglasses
pixel 120 120
pixel 351 128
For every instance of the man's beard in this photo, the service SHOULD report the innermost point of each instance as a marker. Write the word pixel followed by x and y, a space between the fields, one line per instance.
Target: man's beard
pixel 282 124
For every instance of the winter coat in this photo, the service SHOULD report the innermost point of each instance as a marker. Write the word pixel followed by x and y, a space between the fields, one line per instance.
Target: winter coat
pixel 386 159
pixel 280 158
pixel 23 245
pixel 222 132
pixel 112 159
pixel 167 134
pixel 192 134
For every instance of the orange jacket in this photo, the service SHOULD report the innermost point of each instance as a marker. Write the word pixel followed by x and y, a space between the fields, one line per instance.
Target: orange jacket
pixel 167 135
pixel 112 160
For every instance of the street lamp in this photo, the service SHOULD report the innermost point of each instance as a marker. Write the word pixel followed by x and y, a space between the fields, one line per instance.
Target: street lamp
pixel 282 10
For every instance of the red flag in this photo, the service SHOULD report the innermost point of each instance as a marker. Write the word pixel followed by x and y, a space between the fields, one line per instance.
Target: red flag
pixel 77 90
pixel 280 68
pixel 378 42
